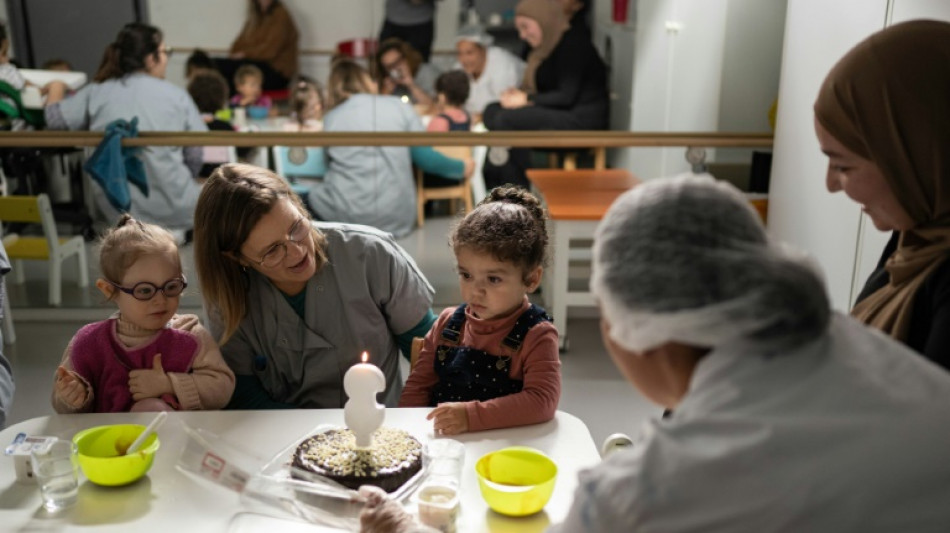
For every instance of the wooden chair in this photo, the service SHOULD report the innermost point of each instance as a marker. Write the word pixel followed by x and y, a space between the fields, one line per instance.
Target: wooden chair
pixel 50 247
pixel 414 353
pixel 462 191
pixel 570 158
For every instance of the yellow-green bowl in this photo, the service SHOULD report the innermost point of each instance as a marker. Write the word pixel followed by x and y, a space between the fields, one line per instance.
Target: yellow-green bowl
pixel 516 481
pixel 100 454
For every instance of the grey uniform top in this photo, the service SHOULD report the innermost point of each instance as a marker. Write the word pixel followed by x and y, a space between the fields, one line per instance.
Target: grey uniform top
pixel 409 12
pixel 6 373
pixel 370 185
pixel 159 106
pixel 369 291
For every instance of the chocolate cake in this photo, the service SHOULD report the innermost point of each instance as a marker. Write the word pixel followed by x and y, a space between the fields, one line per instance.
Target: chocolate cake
pixel 394 457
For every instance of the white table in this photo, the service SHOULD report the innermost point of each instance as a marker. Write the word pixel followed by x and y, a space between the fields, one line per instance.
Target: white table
pixel 169 500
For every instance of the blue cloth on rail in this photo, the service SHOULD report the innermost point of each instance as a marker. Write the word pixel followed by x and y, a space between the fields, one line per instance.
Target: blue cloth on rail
pixel 113 166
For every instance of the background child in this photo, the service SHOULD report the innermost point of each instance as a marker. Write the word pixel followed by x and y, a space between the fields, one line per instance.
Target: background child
pixel 493 361
pixel 145 357
pixel 247 83
pixel 452 90
pixel 199 62
pixel 209 90
pixel 8 71
pixel 307 103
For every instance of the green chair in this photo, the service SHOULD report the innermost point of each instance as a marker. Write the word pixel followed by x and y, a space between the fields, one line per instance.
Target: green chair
pixel 33 117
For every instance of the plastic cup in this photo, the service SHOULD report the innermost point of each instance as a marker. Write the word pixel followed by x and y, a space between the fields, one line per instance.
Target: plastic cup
pixel 56 469
pixel 446 457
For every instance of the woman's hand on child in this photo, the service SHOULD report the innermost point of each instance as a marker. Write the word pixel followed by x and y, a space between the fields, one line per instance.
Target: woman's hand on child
pixel 150 383
pixel 449 418
pixel 69 387
pixel 383 515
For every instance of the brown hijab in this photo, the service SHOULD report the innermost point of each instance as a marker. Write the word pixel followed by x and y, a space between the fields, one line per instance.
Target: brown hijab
pixel 550 16
pixel 888 101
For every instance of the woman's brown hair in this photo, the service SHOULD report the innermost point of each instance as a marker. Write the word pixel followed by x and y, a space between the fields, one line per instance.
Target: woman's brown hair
pixel 233 200
pixel 509 224
pixel 127 54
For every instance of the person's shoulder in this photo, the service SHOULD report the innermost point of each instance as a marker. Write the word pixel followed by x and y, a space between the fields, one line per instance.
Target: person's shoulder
pixel 350 235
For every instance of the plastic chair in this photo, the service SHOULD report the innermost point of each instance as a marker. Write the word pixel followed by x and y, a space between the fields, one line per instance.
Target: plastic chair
pixel 300 166
pixel 33 117
pixel 462 191
pixel 219 154
pixel 50 247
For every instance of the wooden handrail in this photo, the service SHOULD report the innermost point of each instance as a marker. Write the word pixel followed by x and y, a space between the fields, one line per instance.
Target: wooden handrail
pixel 528 139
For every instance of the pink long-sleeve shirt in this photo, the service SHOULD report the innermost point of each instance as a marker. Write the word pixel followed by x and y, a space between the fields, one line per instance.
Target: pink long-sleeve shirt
pixel 536 364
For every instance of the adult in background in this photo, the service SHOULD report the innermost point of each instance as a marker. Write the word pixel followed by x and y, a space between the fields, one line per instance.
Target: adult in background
pixel 881 118
pixel 411 21
pixel 7 386
pixel 403 73
pixel 785 416
pixel 131 83
pixel 564 87
pixel 491 70
pixel 373 185
pixel 293 303
pixel 268 40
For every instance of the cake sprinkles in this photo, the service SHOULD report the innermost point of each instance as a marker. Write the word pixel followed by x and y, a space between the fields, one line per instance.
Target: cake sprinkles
pixel 394 457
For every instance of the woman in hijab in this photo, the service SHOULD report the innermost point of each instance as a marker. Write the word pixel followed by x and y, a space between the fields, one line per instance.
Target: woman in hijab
pixel 564 86
pixel 881 117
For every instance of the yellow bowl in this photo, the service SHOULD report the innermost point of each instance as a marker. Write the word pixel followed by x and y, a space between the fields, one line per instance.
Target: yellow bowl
pixel 100 454
pixel 516 481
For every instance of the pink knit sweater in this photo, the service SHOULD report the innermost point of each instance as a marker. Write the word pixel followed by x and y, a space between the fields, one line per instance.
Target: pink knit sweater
pixel 536 363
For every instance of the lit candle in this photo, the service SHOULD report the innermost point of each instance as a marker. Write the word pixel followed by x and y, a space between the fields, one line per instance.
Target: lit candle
pixel 361 413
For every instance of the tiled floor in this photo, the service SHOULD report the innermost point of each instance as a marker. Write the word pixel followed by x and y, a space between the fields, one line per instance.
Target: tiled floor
pixel 592 388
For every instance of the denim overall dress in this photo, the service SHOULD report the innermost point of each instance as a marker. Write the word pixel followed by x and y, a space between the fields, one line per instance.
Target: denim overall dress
pixel 466 374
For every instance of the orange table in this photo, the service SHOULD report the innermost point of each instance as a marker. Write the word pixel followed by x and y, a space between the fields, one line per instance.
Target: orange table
pixel 576 201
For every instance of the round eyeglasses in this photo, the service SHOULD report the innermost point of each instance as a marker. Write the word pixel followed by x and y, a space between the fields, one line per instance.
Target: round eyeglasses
pixel 275 254
pixel 145 290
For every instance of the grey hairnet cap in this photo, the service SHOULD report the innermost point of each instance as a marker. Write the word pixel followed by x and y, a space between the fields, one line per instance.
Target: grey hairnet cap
pixel 686 259
pixel 475 34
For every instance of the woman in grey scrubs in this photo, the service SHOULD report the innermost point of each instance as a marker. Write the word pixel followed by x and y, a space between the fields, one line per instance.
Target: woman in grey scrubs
pixel 294 303
pixel 131 83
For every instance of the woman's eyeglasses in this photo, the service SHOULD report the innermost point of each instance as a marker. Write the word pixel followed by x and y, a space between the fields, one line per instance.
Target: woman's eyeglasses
pixel 276 253
pixel 145 291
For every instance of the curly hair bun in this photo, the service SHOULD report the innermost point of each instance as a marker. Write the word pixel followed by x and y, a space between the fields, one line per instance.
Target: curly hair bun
pixel 517 196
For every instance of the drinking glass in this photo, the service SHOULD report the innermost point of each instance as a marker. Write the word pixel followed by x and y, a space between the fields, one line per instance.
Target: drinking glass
pixel 56 469
pixel 446 457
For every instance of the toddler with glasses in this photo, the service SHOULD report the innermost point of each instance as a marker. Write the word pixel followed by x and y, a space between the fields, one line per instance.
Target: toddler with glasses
pixel 145 357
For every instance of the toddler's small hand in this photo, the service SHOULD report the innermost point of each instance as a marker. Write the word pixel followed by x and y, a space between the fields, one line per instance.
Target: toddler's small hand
pixel 449 418
pixel 69 387
pixel 150 383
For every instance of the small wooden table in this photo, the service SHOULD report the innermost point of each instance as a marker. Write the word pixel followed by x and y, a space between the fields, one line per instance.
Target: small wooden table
pixel 576 201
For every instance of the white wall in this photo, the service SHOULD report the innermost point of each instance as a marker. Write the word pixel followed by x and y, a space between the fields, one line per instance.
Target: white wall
pixel 752 61
pixel 677 74
pixel 322 24
pixel 801 211
pixel 718 72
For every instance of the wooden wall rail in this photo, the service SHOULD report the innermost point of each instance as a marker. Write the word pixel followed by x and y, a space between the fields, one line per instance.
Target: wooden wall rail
pixel 532 139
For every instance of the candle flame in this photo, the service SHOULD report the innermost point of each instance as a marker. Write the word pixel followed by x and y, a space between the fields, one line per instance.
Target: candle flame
pixel 365 356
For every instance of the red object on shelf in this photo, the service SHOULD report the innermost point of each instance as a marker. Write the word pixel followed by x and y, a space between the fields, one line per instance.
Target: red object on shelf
pixel 277 94
pixel 357 48
pixel 620 11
